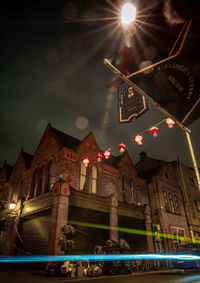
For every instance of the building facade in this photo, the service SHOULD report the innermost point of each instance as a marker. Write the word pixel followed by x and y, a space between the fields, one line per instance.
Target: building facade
pixel 167 204
pixel 53 187
pixel 191 196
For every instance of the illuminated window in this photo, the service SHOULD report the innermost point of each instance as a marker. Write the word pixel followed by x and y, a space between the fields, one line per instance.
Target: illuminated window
pixel 94 179
pixel 83 177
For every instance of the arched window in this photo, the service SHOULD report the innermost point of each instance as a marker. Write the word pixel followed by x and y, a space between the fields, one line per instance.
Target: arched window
pixel 167 207
pixel 39 181
pixel 42 180
pixel 177 209
pixel 94 179
pixel 171 200
pixel 47 176
pixel 83 177
pixel 123 187
pixel 35 176
pixel 132 191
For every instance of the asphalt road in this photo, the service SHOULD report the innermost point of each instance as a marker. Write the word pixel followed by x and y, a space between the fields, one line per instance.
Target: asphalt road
pixel 14 275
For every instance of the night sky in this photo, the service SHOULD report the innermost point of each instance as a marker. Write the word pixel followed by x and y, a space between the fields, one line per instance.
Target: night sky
pixel 52 71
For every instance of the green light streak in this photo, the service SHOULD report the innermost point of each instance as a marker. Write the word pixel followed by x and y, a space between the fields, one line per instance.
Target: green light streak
pixel 134 231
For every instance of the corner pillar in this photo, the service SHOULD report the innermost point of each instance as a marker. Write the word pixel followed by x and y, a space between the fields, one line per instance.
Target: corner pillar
pixel 148 226
pixel 113 218
pixel 59 214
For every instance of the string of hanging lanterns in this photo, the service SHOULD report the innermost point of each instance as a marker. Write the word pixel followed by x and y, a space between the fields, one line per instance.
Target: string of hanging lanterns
pixel 137 139
pixel 154 130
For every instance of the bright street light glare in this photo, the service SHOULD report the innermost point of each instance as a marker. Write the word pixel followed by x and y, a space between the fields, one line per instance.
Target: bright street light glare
pixel 127 14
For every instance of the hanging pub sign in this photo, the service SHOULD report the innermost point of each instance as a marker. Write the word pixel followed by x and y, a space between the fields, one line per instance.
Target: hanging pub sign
pixel 175 86
pixel 131 104
pixel 171 83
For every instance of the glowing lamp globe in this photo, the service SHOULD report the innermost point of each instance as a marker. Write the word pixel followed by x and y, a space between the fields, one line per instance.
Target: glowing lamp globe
pixel 107 153
pixel 138 139
pixel 127 14
pixel 86 161
pixel 99 157
pixel 170 123
pixel 12 205
pixel 121 147
pixel 154 131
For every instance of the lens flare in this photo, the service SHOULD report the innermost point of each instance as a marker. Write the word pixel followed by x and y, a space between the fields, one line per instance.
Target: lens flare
pixel 127 14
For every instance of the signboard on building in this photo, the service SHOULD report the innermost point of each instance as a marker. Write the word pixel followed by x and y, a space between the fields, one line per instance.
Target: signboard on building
pixel 131 103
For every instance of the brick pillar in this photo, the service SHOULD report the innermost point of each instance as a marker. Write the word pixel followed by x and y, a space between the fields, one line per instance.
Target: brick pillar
pixel 147 214
pixel 59 214
pixel 113 218
pixel 14 236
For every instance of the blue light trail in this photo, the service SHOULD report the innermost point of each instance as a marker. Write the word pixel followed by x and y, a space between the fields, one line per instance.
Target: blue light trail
pixel 90 257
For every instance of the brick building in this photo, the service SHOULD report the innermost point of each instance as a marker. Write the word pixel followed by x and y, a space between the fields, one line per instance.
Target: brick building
pixel 166 201
pixel 53 188
pixel 191 196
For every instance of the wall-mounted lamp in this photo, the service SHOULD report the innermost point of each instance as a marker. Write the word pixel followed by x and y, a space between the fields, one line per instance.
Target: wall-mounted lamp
pixel 12 205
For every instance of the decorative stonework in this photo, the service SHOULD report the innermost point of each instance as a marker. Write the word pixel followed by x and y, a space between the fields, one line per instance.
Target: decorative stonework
pixel 62 187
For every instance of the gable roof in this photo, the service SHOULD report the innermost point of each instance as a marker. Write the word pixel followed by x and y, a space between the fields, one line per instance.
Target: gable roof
pixel 113 161
pixel 27 159
pixel 66 140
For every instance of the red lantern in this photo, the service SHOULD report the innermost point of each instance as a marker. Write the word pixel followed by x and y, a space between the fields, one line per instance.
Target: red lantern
pixel 99 156
pixel 121 147
pixel 154 131
pixel 107 153
pixel 170 123
pixel 86 161
pixel 138 139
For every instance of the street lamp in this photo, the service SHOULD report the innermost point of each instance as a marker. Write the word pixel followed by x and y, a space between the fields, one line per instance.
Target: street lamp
pixel 12 205
pixel 127 14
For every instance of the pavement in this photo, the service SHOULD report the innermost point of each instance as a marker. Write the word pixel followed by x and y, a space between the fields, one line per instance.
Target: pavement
pixel 33 275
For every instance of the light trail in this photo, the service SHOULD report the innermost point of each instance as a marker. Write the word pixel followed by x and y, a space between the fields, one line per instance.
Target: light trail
pixel 134 231
pixel 89 257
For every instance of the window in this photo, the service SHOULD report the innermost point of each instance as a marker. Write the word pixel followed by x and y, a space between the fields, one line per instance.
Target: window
pixel 192 180
pixel 123 187
pixel 171 201
pixel 94 179
pixel 177 209
pixel 178 235
pixel 47 176
pixel 132 191
pixel 39 182
pixel 83 177
pixel 35 183
pixel 197 203
pixel 166 201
